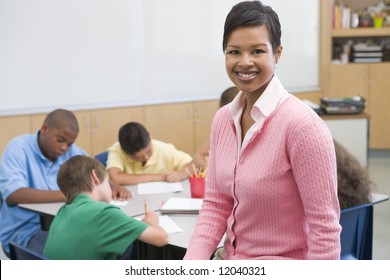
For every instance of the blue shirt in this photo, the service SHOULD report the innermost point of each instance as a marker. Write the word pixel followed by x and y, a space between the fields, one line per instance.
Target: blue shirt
pixel 24 165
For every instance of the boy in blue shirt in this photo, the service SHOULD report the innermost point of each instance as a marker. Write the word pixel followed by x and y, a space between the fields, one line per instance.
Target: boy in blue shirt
pixel 88 227
pixel 28 174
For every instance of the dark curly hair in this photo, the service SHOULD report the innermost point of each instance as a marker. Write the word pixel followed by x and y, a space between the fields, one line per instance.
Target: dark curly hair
pixel 354 184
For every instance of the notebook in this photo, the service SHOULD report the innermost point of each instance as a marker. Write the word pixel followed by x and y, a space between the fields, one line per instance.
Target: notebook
pixel 180 205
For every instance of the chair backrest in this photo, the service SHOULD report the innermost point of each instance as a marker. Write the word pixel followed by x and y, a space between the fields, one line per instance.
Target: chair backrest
pixel 19 252
pixel 357 232
pixel 102 157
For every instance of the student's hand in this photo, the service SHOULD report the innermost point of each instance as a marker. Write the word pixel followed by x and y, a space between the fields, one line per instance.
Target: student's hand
pixel 176 176
pixel 173 176
pixel 121 193
pixel 151 218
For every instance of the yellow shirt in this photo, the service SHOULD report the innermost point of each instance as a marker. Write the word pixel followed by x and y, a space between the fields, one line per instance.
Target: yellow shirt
pixel 165 158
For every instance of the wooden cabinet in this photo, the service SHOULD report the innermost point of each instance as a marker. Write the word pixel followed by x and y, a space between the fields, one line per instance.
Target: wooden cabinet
pixel 204 112
pixel 348 80
pixel 186 125
pixel 379 96
pixel 11 127
pixel 369 80
pixel 98 129
pixel 105 124
pixel 172 123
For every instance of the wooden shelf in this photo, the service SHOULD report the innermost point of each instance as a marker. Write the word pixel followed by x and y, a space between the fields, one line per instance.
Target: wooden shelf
pixel 361 32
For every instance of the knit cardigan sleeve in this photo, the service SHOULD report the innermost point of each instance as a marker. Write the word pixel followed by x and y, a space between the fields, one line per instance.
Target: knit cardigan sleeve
pixel 313 162
pixel 211 223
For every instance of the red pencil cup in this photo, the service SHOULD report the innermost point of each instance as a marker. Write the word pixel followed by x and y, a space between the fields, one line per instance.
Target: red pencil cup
pixel 198 187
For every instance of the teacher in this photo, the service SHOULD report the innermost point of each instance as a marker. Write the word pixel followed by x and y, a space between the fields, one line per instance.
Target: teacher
pixel 272 181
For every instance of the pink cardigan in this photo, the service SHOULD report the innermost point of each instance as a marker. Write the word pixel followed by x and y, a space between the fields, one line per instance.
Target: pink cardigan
pixel 279 199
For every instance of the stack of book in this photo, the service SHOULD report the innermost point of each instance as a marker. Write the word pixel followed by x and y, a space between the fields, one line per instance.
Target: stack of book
pixel 362 53
pixel 354 105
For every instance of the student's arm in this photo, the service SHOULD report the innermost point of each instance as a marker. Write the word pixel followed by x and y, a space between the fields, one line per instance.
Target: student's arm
pixel 119 192
pixel 131 179
pixel 176 176
pixel 202 154
pixel 180 164
pixel 154 234
pixel 29 195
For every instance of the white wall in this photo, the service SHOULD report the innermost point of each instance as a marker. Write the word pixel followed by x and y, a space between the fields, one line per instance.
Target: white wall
pixel 98 53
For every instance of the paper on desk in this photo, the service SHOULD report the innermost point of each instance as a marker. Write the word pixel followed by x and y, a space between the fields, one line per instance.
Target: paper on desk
pixel 159 187
pixel 119 203
pixel 167 224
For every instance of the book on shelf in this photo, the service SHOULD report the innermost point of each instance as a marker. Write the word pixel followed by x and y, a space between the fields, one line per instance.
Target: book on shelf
pixel 341 16
pixel 354 105
pixel 366 48
pixel 368 54
pixel 367 59
pixel 364 53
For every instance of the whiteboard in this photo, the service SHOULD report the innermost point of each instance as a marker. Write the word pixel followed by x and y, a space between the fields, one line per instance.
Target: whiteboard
pixel 98 54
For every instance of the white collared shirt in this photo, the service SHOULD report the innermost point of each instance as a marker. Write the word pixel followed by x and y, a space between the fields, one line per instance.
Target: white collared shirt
pixel 272 96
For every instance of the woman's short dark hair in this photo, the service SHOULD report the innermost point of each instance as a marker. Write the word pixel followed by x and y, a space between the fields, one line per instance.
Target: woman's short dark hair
pixel 253 13
pixel 133 137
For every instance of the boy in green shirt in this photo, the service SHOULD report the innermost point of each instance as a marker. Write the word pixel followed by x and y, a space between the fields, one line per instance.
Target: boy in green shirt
pixel 88 226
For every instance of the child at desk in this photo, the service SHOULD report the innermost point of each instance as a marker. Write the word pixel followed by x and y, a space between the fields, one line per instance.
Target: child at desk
pixel 88 226
pixel 137 158
pixel 28 172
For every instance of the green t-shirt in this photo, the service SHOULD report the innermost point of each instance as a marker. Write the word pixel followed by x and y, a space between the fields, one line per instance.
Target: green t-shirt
pixel 90 230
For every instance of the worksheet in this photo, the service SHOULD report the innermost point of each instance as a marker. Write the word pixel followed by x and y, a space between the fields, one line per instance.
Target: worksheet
pixel 159 187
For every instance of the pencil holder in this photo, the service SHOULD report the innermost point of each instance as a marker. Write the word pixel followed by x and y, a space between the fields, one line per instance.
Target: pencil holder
pixel 198 187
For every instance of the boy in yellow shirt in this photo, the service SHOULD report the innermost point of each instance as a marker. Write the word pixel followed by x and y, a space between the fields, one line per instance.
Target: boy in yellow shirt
pixel 136 158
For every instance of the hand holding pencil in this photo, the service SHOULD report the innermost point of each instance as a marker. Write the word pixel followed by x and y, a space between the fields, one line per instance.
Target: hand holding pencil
pixel 145 207
pixel 151 218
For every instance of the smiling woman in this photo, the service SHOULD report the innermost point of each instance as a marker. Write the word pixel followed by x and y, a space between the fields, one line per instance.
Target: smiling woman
pixel 267 151
pixel 94 54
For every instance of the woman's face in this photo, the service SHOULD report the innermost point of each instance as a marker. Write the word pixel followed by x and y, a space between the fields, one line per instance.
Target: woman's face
pixel 249 58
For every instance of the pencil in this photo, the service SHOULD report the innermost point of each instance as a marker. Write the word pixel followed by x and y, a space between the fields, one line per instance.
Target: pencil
pixel 204 172
pixel 145 207
pixel 194 169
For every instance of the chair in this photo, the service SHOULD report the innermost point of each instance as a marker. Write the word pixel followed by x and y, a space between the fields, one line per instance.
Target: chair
pixel 102 157
pixel 19 252
pixel 357 232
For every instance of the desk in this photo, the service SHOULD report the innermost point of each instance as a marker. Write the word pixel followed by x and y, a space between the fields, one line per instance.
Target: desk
pixel 378 197
pixel 134 207
pixel 178 242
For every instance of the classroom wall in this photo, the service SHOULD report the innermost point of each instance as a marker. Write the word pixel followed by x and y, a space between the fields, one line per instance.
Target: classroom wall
pixel 100 54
